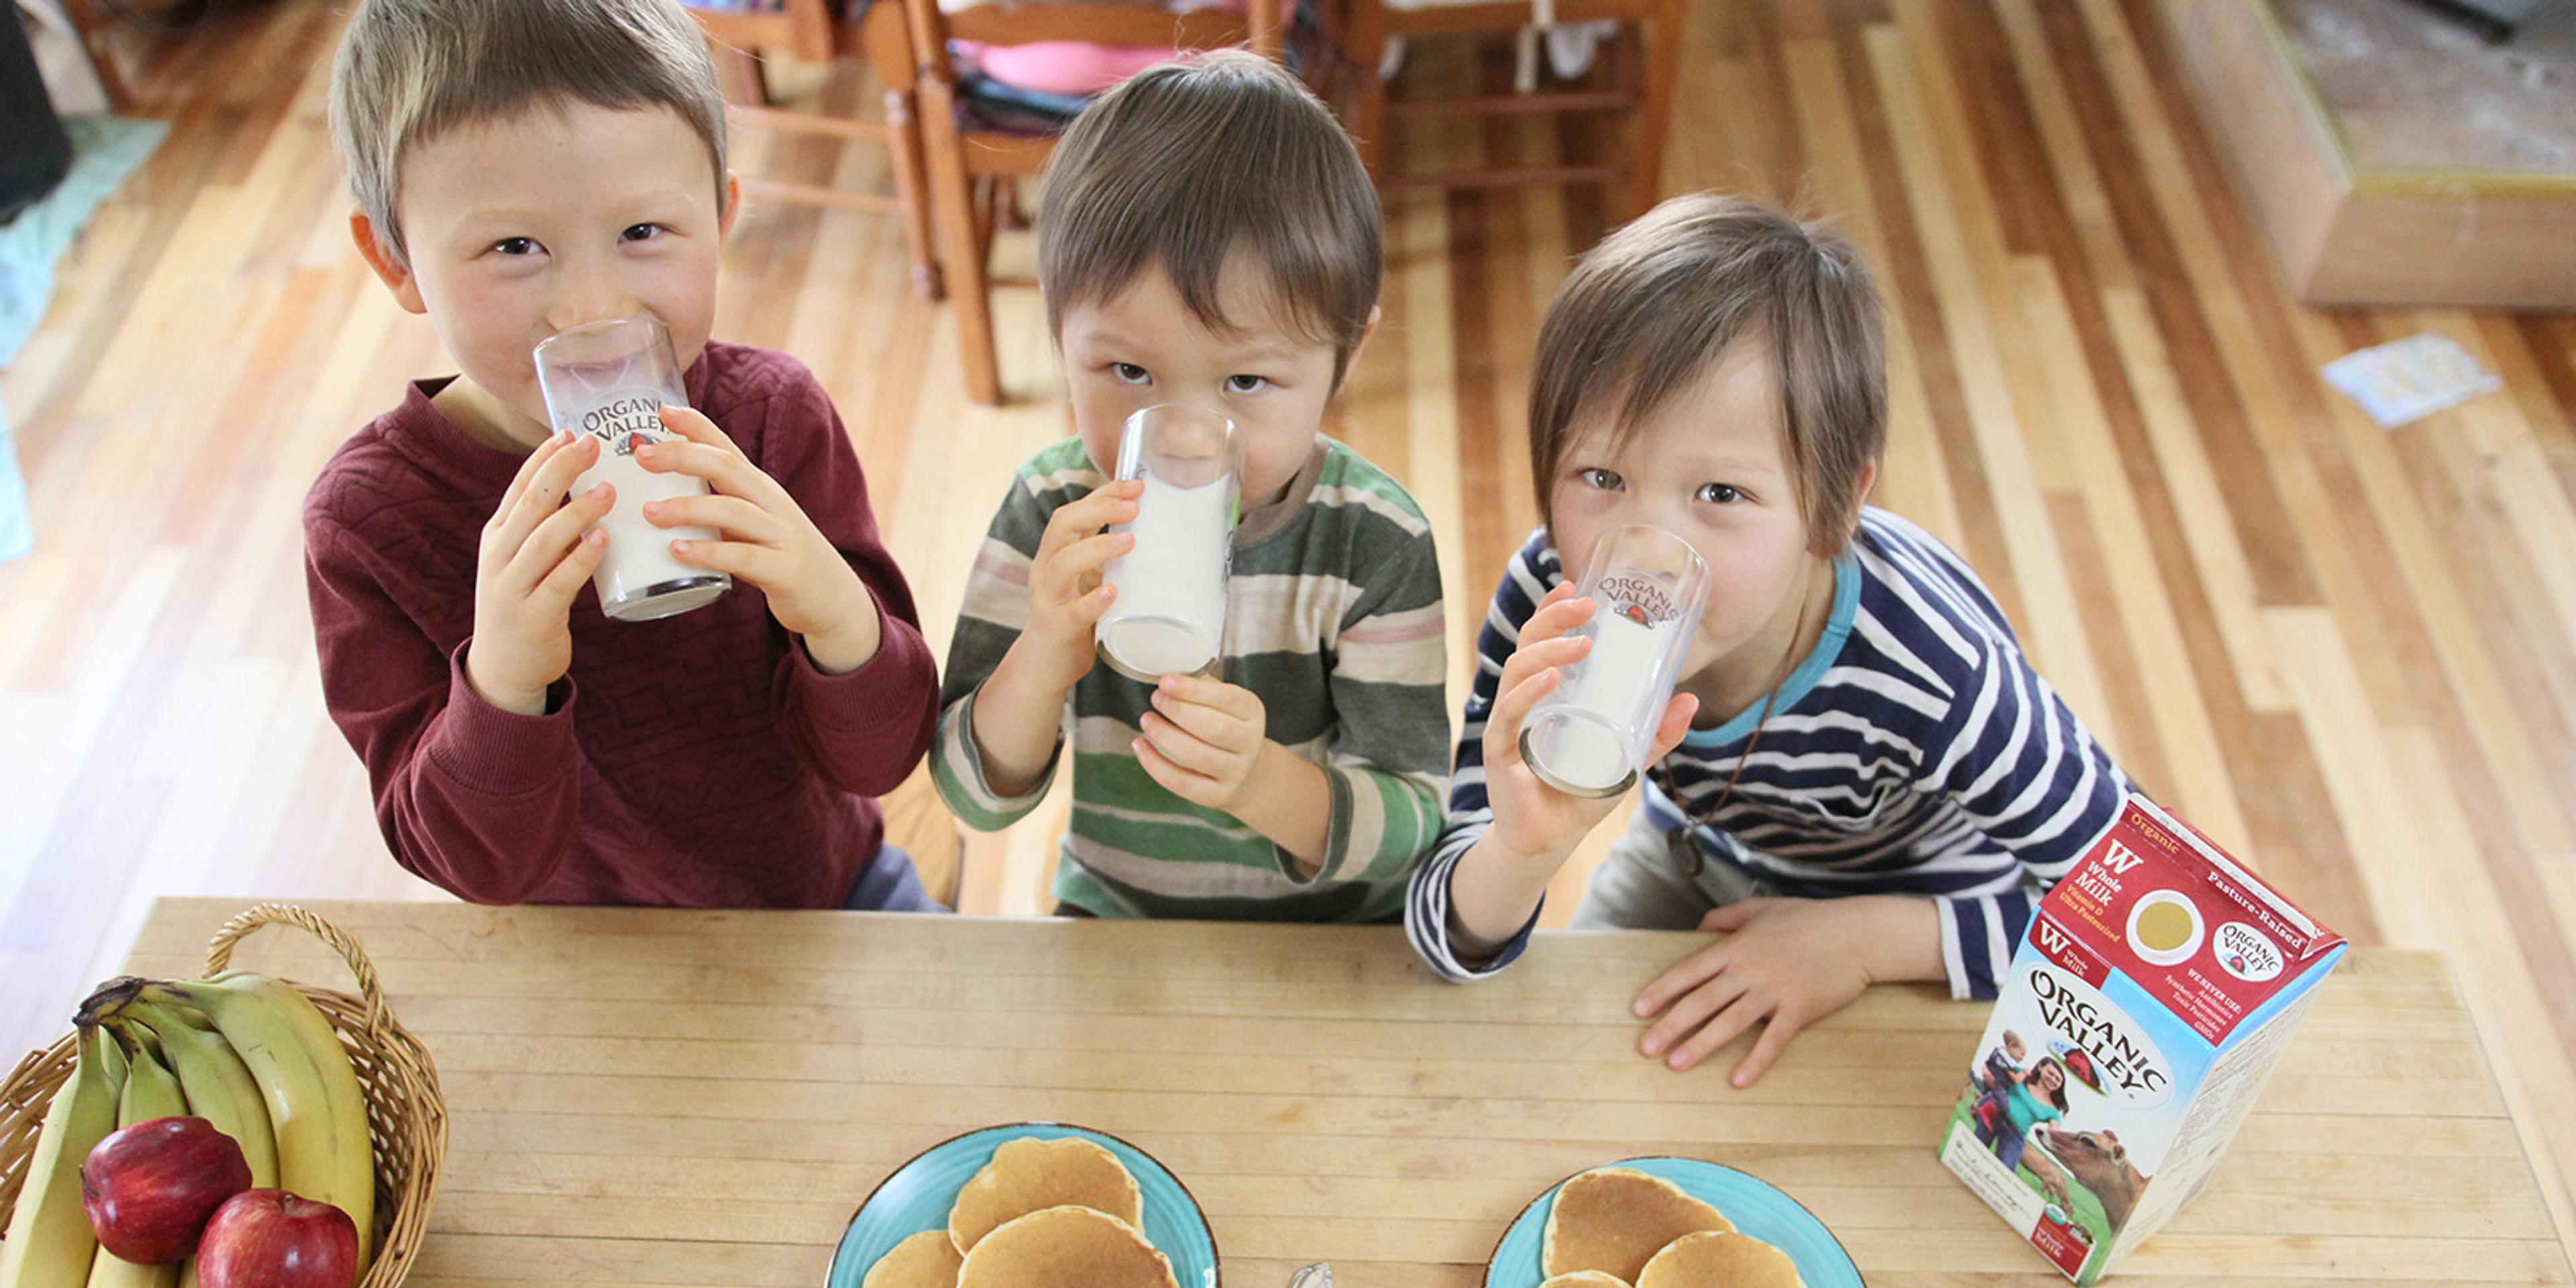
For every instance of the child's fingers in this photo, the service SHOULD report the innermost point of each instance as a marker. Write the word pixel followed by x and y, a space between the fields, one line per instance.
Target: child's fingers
pixel 1691 1010
pixel 1085 610
pixel 544 494
pixel 1197 789
pixel 553 594
pixel 1554 618
pixel 1678 979
pixel 1546 655
pixel 724 469
pixel 1503 723
pixel 1728 1025
pixel 731 515
pixel 1203 691
pixel 693 425
pixel 1675 726
pixel 553 538
pixel 1113 503
pixel 1214 727
pixel 1184 748
pixel 1072 562
pixel 759 565
pixel 1733 917
pixel 1785 1024
pixel 528 471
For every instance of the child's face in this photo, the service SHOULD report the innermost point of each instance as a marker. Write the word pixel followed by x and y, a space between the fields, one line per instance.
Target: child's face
pixel 1143 346
pixel 525 225
pixel 1708 467
pixel 2013 1047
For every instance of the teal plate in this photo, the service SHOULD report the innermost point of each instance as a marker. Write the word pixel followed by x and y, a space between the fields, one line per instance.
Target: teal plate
pixel 1754 1206
pixel 919 1193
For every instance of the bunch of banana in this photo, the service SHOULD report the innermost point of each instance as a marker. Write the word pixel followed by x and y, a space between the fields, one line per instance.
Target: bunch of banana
pixel 49 1243
pixel 258 1060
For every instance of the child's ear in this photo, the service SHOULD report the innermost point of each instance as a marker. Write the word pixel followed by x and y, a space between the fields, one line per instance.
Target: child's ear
pixel 732 206
pixel 389 267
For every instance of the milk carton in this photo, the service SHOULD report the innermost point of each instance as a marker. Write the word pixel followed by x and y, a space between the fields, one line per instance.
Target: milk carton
pixel 2157 987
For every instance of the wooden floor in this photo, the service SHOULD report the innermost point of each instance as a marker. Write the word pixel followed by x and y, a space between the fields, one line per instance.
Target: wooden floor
pixel 2347 653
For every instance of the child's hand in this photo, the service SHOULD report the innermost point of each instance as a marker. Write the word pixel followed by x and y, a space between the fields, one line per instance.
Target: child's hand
pixel 764 539
pixel 1203 739
pixel 1066 596
pixel 534 556
pixel 1534 822
pixel 1790 962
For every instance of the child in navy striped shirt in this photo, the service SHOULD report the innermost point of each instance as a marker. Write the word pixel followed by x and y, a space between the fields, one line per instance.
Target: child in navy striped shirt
pixel 1860 778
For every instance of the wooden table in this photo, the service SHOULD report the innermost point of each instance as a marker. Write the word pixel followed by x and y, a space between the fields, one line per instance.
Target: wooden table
pixel 687 1098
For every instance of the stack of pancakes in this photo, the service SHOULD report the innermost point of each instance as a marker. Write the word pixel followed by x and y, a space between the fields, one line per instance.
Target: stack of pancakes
pixel 1620 1228
pixel 1043 1213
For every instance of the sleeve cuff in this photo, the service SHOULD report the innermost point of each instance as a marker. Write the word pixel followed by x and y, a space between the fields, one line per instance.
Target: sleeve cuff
pixel 494 752
pixel 856 702
pixel 1426 923
pixel 957 769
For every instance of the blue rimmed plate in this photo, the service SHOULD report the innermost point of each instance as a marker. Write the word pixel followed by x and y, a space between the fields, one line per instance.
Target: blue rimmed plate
pixel 1753 1205
pixel 919 1194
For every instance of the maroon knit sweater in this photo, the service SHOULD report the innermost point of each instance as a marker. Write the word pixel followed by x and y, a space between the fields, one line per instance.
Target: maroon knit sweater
pixel 696 761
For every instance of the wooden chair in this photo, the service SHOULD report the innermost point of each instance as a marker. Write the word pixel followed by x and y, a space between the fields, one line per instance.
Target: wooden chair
pixel 1639 85
pixel 91 35
pixel 917 820
pixel 974 170
pixel 822 31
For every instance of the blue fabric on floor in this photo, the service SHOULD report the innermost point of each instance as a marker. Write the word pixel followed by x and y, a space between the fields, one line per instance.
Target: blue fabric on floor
pixel 17 535
pixel 104 151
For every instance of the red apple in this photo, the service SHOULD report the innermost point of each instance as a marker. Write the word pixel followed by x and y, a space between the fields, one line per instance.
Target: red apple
pixel 273 1239
pixel 150 1187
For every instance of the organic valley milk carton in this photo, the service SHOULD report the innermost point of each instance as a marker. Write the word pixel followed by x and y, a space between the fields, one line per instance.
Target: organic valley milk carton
pixel 2158 985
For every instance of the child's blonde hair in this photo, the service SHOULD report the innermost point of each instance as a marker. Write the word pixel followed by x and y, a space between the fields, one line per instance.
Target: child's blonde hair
pixel 1188 163
pixel 408 69
pixel 1657 304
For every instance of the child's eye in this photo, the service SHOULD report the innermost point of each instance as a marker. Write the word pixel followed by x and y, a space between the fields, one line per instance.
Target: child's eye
pixel 517 246
pixel 640 232
pixel 1246 384
pixel 1129 373
pixel 1606 480
pixel 1717 494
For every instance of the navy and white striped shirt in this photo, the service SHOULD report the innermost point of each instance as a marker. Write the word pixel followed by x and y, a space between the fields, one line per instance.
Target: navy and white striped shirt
pixel 1914 751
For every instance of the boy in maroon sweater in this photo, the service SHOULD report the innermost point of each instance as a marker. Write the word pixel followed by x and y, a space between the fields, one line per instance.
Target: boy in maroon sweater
pixel 518 169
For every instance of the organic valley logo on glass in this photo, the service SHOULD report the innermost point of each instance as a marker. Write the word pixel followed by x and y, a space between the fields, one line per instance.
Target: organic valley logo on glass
pixel 1646 601
pixel 626 419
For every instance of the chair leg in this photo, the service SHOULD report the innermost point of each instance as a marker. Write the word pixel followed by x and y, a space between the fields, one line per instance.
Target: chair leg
pixel 1662 38
pixel 744 75
pixel 111 83
pixel 1365 55
pixel 912 187
pixel 961 251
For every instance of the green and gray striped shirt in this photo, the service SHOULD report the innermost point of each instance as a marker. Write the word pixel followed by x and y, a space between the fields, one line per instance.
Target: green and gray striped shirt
pixel 1332 619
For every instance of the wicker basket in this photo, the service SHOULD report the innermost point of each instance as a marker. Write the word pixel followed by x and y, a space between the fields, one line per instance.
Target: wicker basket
pixel 406 1116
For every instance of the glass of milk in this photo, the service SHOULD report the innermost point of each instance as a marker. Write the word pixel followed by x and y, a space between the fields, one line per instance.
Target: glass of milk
pixel 1591 737
pixel 610 380
pixel 1169 616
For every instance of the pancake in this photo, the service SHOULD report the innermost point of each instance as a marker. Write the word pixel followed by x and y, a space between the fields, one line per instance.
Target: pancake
pixel 1616 1219
pixel 926 1260
pixel 1030 1175
pixel 1062 1247
pixel 1734 1260
pixel 1579 1279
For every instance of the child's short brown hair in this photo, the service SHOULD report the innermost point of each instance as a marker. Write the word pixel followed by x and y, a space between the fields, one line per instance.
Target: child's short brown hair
pixel 1190 162
pixel 1658 302
pixel 408 69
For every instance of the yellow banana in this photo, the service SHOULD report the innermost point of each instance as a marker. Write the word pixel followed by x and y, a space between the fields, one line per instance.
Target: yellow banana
pixel 151 1091
pixel 49 1243
pixel 314 1102
pixel 219 1086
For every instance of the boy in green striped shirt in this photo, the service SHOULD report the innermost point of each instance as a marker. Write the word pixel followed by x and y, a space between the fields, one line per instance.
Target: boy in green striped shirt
pixel 1207 235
